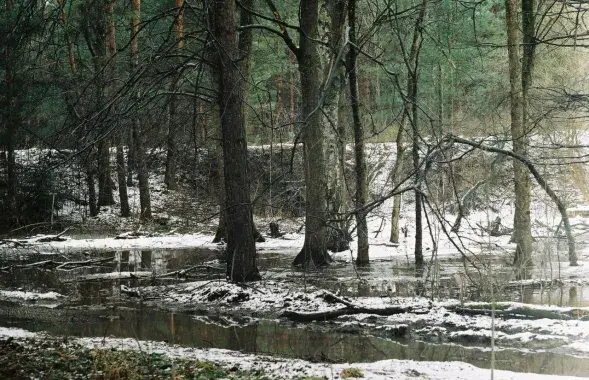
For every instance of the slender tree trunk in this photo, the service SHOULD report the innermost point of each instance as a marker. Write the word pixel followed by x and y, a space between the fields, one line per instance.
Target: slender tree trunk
pixel 415 138
pixel 396 178
pixel 111 44
pixel 361 178
pixel 172 146
pixel 68 42
pixel 411 63
pixel 241 249
pixel 131 165
pixel 522 222
pixel 291 92
pixel 105 188
pixel 11 123
pixel 136 129
pixel 122 178
pixel 91 189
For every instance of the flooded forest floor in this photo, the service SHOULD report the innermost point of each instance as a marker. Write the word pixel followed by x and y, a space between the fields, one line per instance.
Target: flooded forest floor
pixel 155 304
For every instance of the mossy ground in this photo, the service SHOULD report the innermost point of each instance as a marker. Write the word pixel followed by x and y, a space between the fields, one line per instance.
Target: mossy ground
pixel 53 359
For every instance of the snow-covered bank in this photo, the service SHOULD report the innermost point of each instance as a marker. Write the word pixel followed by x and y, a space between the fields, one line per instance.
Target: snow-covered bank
pixel 280 368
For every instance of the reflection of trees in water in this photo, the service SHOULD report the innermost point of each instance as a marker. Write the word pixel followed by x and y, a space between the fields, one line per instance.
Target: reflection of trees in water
pixel 146 260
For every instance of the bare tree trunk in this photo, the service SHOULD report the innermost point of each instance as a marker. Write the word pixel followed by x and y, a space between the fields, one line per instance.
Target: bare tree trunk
pixel 111 44
pixel 131 161
pixel 543 184
pixel 291 92
pixel 68 43
pixel 122 178
pixel 245 48
pixel 522 221
pixel 241 248
pixel 396 178
pixel 411 63
pixel 314 248
pixel 91 189
pixel 414 119
pixel 172 146
pixel 136 129
pixel 105 188
pixel 361 178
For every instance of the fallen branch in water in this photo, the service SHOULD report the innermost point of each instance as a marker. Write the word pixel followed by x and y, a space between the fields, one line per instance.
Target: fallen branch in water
pixel 78 264
pixel 349 309
pixel 526 313
pixel 183 272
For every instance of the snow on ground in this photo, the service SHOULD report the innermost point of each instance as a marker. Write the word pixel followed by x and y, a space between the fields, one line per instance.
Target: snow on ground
pixel 295 368
pixel 29 296
pixel 142 242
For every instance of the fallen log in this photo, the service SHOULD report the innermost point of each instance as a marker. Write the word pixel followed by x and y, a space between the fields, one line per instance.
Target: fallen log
pixel 348 309
pixel 69 265
pixel 524 313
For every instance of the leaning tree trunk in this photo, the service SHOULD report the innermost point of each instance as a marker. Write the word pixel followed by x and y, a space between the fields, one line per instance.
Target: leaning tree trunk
pixel 522 221
pixel 137 137
pixel 314 130
pixel 361 178
pixel 241 248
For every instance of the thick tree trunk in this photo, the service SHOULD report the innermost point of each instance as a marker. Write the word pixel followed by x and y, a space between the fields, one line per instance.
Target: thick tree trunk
pixel 245 49
pixel 522 221
pixel 314 248
pixel 241 248
pixel 361 178
pixel 136 129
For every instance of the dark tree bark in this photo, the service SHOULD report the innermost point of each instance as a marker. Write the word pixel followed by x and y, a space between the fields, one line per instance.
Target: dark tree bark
pixel 11 123
pixel 172 145
pixel 122 179
pixel 414 82
pixel 361 178
pixel 136 129
pixel 314 248
pixel 111 44
pixel 241 248
pixel 522 222
pixel 105 188
pixel 245 49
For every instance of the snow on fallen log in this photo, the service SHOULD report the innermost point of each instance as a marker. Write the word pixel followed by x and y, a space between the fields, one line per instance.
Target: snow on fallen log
pixel 348 309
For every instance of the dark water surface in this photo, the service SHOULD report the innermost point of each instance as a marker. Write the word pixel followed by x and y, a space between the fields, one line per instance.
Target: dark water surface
pixel 94 306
